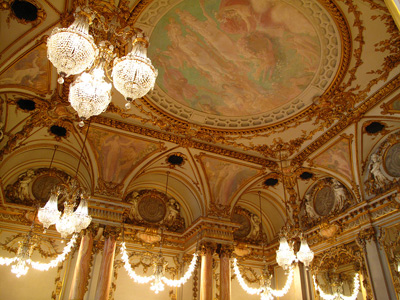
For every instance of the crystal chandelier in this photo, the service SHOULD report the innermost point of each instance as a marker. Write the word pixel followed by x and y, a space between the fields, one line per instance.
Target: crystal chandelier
pixel 157 279
pixel 70 221
pixel 265 291
pixel 338 295
pixel 22 261
pixel 72 50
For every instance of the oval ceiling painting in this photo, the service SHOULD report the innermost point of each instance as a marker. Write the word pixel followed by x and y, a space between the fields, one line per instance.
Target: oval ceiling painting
pixel 235 58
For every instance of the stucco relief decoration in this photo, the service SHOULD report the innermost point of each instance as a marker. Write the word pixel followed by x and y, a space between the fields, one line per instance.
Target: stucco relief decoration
pixel 229 76
pixel 46 247
pixel 34 185
pixel 326 198
pixel 392 160
pixel 250 225
pixel 153 208
pixel 381 172
pixel 36 18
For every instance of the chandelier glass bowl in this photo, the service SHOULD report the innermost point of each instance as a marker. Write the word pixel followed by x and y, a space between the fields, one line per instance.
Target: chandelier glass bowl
pixel 305 255
pixel 285 254
pixel 72 50
pixel 134 75
pixel 90 94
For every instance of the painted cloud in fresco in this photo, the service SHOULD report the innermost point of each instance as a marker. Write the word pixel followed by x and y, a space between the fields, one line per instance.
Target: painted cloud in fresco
pixel 337 158
pixel 225 178
pixel 118 154
pixel 234 57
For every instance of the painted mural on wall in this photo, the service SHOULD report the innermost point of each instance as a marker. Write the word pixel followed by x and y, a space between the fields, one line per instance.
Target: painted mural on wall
pixel 31 71
pixel 225 178
pixel 234 58
pixel 337 158
pixel 118 154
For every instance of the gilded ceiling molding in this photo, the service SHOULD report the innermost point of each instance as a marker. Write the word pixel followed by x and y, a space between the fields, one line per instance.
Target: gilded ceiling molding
pixel 352 117
pixel 392 107
pixel 183 141
pixel 46 113
pixel 389 45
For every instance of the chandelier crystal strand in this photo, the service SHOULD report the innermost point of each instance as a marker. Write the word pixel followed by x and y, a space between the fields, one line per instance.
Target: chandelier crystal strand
pixel 134 75
pixel 185 277
pixel 60 258
pixel 285 254
pixel 131 272
pixel 82 218
pixel 249 290
pixel 72 50
pixel 285 289
pixel 338 296
pixel 67 223
pixel 49 214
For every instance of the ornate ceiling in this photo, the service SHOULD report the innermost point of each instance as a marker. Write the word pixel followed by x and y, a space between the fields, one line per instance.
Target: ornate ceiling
pixel 245 90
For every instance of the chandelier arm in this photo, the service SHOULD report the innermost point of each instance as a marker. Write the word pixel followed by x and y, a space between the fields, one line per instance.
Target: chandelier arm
pixel 131 272
pixel 61 257
pixel 335 296
pixel 249 290
pixel 185 277
pixel 285 289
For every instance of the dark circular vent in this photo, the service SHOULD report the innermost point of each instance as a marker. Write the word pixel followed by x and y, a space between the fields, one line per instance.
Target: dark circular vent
pixel 175 160
pixel 271 182
pixel 58 130
pixel 306 175
pixel 374 127
pixel 24 10
pixel 26 104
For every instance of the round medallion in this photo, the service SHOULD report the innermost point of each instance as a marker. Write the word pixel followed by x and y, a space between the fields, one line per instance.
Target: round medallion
pixel 392 160
pixel 42 186
pixel 324 201
pixel 151 209
pixel 244 228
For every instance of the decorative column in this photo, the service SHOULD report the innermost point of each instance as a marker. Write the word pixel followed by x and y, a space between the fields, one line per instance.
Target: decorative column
pixel 378 270
pixel 82 267
pixel 207 251
pixel 225 272
pixel 107 266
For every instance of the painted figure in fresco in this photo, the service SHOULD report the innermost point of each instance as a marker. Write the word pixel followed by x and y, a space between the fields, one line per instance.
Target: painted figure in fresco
pixel 237 55
pixel 375 168
pixel 25 180
pixel 172 212
pixel 309 207
pixel 340 194
pixel 255 227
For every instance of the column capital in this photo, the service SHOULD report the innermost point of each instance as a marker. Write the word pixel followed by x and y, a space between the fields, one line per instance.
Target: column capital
pixel 366 235
pixel 111 232
pixel 226 251
pixel 207 248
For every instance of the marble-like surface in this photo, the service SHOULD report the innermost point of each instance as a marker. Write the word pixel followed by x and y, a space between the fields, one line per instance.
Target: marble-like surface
pixel 106 270
pixel 82 268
